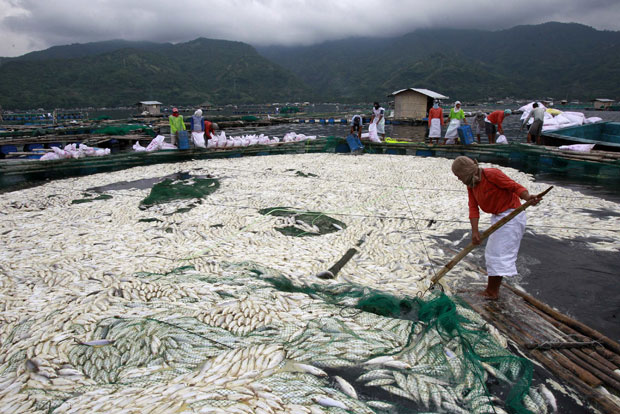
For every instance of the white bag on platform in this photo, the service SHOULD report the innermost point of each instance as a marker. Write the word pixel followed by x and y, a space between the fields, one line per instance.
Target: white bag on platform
pixel 372 132
pixel 199 139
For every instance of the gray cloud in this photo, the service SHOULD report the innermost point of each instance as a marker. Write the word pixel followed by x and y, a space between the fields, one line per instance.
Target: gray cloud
pixel 28 25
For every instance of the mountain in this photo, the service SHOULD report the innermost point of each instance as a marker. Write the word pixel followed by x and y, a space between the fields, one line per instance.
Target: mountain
pixel 120 73
pixel 564 61
pixel 552 59
pixel 77 50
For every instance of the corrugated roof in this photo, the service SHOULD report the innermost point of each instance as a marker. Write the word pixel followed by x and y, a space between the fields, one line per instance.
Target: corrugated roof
pixel 426 92
pixel 150 103
pixel 604 100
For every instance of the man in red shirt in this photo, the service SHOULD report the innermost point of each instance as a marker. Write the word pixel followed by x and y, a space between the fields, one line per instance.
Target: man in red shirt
pixel 493 123
pixel 492 191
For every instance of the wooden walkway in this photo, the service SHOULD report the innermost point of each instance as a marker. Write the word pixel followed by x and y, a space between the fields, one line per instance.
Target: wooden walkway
pixel 582 357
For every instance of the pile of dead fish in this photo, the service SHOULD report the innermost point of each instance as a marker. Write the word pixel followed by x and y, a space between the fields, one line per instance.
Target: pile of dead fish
pixel 109 307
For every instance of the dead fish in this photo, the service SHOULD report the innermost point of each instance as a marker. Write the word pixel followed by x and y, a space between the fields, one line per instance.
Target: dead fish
pixel 329 402
pixel 346 387
pixel 548 395
pixel 98 342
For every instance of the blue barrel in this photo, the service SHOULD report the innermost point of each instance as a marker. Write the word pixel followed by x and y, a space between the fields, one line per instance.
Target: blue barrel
pixel 343 121
pixel 183 140
pixel 322 121
pixel 5 149
pixel 301 121
pixel 312 121
pixel 331 120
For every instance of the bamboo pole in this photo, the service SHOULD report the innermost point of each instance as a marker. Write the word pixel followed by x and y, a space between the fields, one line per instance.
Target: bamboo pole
pixel 576 325
pixel 485 235
pixel 598 365
pixel 559 345
pixel 585 365
pixel 593 354
pixel 605 353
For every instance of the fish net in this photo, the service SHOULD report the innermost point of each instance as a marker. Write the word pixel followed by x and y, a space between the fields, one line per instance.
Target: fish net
pixel 170 190
pixel 235 336
pixel 300 223
pixel 448 343
pixel 124 130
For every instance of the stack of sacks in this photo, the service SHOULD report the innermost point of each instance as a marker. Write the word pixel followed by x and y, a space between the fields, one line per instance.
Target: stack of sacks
pixel 74 151
pixel 556 119
pixel 222 141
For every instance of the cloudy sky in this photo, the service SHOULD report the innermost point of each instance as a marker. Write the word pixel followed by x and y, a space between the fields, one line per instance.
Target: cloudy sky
pixel 28 25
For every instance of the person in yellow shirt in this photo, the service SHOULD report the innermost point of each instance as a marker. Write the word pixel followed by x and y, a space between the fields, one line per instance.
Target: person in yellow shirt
pixel 176 124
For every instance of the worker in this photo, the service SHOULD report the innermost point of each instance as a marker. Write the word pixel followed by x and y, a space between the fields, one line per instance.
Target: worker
pixel 477 124
pixel 378 118
pixel 494 192
pixel 210 128
pixel 176 124
pixel 493 123
pixel 435 122
pixel 457 115
pixel 197 128
pixel 356 125
pixel 538 113
pixel 355 134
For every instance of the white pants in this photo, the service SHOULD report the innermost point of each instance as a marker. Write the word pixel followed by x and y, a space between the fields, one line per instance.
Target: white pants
pixel 381 126
pixel 435 129
pixel 503 245
pixel 452 131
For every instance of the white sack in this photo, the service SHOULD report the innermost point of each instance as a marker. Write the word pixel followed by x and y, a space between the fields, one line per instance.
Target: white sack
pixel 577 147
pixel 199 139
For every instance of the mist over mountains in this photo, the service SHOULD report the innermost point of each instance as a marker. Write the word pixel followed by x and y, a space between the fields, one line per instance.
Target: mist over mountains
pixel 564 61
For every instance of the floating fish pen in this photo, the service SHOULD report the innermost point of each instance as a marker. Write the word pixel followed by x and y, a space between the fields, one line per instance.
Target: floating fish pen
pixel 21 143
pixel 40 118
pixel 599 166
pixel 181 282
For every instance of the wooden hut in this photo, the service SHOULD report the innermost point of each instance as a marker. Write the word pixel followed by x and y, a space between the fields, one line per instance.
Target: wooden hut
pixel 414 103
pixel 602 103
pixel 152 107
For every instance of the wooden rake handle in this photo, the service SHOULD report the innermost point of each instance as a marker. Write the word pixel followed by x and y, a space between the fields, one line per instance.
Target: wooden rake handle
pixel 484 235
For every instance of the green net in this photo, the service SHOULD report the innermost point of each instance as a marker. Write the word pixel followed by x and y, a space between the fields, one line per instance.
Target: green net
pixel 454 344
pixel 88 198
pixel 300 223
pixel 171 190
pixel 124 130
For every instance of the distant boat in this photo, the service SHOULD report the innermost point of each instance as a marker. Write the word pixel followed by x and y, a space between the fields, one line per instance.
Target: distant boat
pixel 606 136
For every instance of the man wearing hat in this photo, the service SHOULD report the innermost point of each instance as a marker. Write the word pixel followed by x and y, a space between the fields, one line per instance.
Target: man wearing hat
pixel 492 191
pixel 493 123
pixel 210 128
pixel 176 124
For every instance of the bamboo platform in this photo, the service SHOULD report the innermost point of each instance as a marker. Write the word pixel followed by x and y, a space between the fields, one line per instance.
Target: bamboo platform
pixel 528 158
pixel 580 356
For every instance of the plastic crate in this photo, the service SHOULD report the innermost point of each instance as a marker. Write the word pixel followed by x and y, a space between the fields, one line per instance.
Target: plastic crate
pixel 466 135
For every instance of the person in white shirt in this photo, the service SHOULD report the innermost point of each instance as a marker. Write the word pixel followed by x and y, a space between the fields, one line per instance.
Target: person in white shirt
pixel 378 117
pixel 538 114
